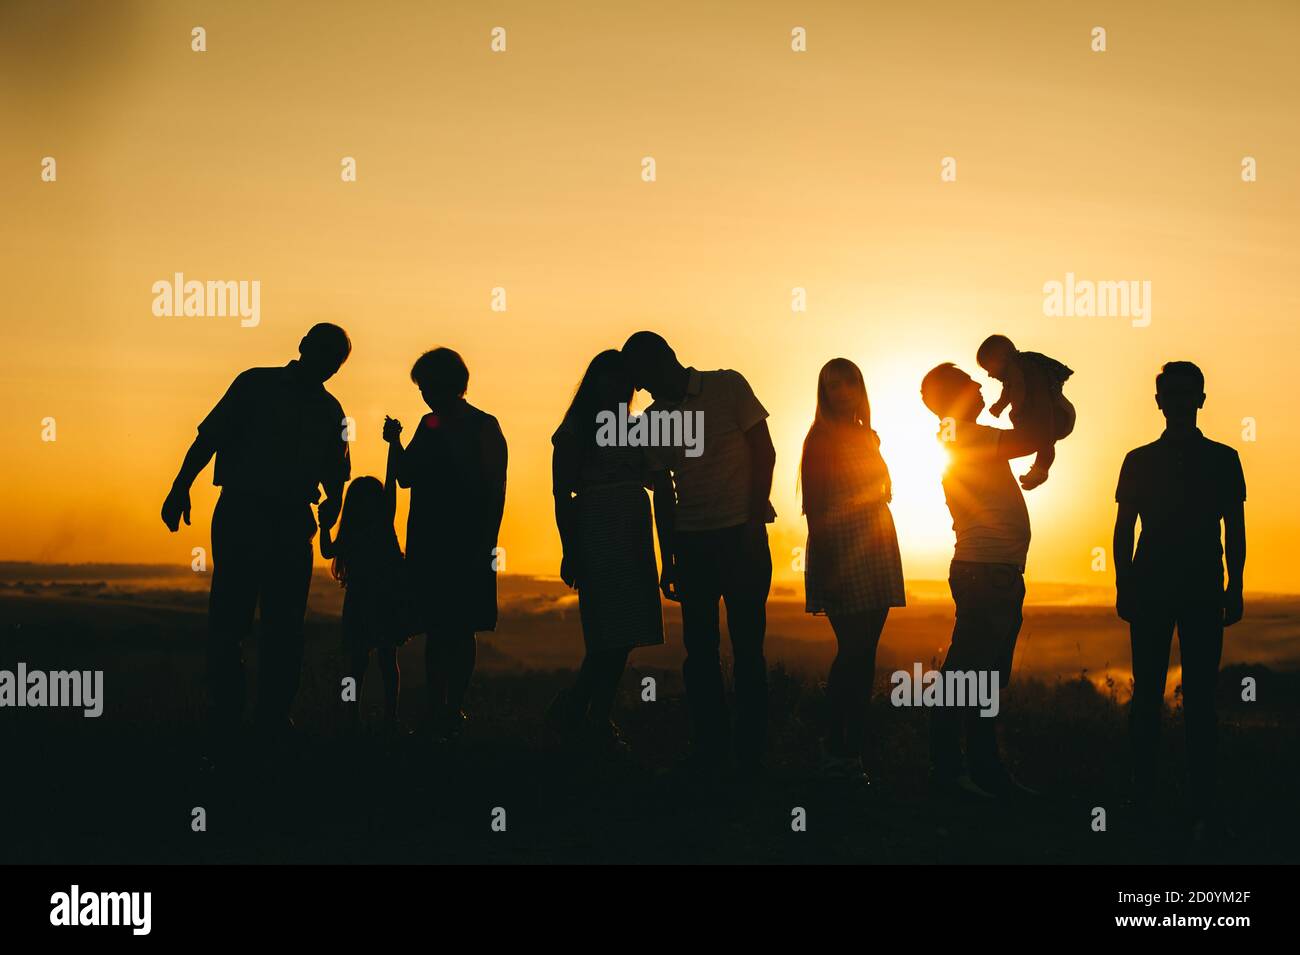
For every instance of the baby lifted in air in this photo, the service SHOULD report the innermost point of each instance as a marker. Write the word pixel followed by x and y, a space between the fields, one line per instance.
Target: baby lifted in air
pixel 1031 387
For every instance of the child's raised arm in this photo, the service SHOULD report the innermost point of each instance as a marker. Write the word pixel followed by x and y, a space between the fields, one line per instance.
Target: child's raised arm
pixel 393 435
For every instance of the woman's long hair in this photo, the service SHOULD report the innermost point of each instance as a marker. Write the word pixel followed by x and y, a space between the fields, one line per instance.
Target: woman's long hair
pixel 366 534
pixel 604 386
pixel 833 436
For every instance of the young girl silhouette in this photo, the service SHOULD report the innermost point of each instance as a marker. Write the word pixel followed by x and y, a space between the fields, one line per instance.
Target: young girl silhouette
pixel 367 561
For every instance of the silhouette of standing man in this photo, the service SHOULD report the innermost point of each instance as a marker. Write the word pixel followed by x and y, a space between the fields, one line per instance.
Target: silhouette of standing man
pixel 717 547
pixel 278 435
pixel 1181 486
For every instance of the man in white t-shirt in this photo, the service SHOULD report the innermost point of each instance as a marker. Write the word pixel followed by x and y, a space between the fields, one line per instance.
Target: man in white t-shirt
pixel 986 577
pixel 717 550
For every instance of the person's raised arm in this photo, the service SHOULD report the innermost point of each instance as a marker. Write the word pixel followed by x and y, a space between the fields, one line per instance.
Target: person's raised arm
pixel 1018 442
pixel 1234 552
pixel 393 436
pixel 406 458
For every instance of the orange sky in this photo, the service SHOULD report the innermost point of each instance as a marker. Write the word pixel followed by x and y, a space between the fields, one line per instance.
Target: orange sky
pixel 522 170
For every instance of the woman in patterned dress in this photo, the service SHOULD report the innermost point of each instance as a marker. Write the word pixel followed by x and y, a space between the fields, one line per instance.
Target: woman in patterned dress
pixel 853 572
pixel 603 515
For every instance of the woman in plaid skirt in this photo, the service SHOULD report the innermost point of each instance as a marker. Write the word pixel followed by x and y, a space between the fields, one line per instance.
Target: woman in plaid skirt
pixel 853 572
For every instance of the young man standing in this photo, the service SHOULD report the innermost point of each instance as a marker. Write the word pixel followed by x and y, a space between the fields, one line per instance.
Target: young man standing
pixel 717 549
pixel 1182 487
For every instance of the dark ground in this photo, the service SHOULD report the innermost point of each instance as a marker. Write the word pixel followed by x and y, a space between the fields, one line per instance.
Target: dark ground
pixel 121 788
